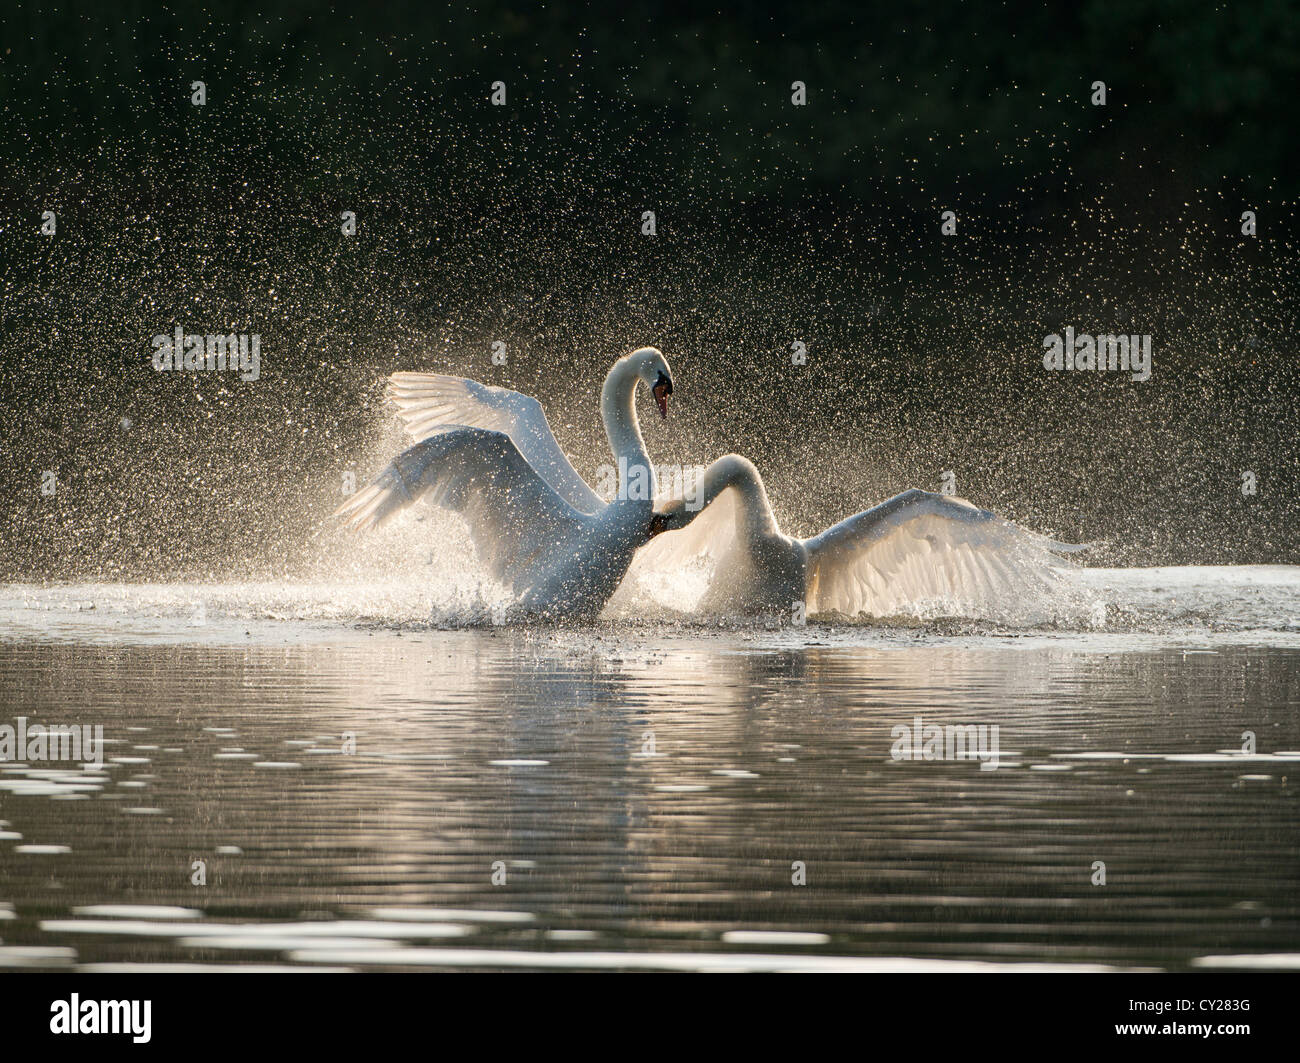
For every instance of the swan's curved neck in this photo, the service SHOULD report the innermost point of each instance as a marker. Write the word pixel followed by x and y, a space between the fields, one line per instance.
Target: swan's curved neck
pixel 754 511
pixel 618 410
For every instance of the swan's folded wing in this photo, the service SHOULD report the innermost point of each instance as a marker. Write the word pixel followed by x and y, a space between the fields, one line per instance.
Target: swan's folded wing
pixel 674 569
pixel 926 554
pixel 514 516
pixel 710 536
pixel 427 402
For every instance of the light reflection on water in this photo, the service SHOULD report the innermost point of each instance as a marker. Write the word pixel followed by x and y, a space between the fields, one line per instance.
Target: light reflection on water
pixel 528 750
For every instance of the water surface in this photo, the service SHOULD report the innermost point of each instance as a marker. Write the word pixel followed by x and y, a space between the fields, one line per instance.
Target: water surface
pixel 642 795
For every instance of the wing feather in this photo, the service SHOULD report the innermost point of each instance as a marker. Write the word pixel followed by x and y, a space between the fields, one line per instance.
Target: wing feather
pixel 514 516
pixel 427 402
pixel 675 569
pixel 925 554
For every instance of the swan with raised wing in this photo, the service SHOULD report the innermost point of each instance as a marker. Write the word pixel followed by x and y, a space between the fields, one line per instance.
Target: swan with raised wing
pixel 489 455
pixel 916 548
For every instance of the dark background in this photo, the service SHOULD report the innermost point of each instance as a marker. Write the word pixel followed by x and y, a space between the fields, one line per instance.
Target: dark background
pixel 775 223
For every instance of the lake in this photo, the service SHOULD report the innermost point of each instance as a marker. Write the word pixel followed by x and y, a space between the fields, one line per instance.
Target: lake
pixel 312 776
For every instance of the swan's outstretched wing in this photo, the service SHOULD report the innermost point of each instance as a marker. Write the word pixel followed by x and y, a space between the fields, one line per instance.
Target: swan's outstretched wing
pixel 921 550
pixel 514 516
pixel 427 402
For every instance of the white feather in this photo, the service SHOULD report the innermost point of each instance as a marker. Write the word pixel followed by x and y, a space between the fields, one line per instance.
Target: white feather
pixel 505 476
pixel 916 554
pixel 427 402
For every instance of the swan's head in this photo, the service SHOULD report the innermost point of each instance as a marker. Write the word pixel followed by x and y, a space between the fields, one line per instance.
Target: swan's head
pixel 670 519
pixel 671 516
pixel 652 367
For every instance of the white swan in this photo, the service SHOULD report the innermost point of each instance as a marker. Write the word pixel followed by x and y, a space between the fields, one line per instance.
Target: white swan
pixel 916 547
pixel 489 454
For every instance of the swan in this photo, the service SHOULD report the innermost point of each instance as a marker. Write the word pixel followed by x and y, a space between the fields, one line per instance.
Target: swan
pixel 916 547
pixel 489 455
